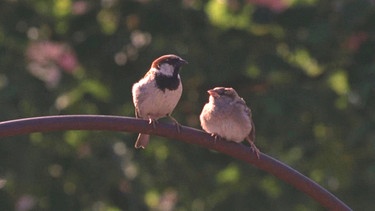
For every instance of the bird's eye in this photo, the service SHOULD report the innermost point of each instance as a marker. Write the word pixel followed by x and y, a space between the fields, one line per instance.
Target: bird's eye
pixel 229 93
pixel 221 92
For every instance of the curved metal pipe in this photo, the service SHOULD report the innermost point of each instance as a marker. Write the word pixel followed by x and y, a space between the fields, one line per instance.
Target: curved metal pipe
pixel 187 134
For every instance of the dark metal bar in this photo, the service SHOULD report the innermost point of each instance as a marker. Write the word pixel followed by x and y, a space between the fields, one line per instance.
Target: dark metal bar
pixel 187 134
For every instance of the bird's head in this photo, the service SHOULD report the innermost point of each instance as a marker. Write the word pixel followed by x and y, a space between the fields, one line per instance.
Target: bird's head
pixel 223 92
pixel 168 65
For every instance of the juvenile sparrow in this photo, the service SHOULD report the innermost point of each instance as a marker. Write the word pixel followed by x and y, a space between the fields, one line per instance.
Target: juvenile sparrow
pixel 158 92
pixel 227 116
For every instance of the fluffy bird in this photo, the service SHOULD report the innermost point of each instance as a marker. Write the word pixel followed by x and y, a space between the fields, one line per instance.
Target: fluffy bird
pixel 158 92
pixel 227 116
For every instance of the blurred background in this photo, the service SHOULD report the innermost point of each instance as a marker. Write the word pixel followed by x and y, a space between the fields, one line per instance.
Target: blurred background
pixel 306 68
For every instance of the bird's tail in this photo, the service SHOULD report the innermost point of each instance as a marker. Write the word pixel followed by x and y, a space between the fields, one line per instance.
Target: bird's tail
pixel 142 141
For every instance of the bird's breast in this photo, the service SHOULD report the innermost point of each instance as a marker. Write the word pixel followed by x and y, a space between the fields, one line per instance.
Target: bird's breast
pixel 165 82
pixel 225 121
pixel 154 102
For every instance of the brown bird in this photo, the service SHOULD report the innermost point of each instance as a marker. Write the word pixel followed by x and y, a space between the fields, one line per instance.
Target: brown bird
pixel 158 92
pixel 227 116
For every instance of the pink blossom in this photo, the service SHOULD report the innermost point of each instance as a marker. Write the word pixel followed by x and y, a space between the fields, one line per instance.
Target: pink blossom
pixel 355 41
pixel 49 73
pixel 80 7
pixel 43 51
pixel 25 203
pixel 68 61
pixel 46 59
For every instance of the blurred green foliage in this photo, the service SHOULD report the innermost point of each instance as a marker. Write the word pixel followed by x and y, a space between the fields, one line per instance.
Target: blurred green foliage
pixel 306 67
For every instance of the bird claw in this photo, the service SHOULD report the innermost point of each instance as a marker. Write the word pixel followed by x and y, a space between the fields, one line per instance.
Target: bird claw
pixel 254 148
pixel 217 137
pixel 178 125
pixel 256 151
pixel 153 122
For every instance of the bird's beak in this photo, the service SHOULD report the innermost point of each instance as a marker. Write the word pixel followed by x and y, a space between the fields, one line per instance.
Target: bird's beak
pixel 183 61
pixel 213 93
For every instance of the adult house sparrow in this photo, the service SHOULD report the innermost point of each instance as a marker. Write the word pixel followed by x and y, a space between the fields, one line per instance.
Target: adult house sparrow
pixel 227 116
pixel 158 92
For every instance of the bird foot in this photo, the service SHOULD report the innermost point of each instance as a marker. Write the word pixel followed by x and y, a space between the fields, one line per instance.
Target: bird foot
pixel 217 137
pixel 152 122
pixel 254 148
pixel 178 125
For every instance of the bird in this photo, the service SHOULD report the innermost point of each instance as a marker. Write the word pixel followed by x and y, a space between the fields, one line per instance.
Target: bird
pixel 227 116
pixel 157 93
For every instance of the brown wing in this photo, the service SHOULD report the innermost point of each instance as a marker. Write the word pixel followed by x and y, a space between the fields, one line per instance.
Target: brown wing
pixel 252 132
pixel 248 111
pixel 142 95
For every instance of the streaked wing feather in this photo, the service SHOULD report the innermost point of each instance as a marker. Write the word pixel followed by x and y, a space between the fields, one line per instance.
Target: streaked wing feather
pixel 252 132
pixel 241 101
pixel 248 111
